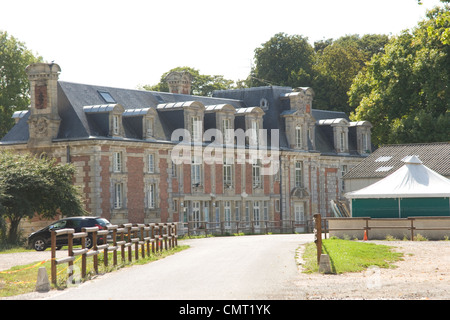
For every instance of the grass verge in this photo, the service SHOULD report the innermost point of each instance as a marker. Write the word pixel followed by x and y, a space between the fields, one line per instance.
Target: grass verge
pixel 350 256
pixel 22 279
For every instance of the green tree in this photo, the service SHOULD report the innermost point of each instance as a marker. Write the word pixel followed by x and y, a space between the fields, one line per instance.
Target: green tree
pixel 284 60
pixel 31 185
pixel 337 64
pixel 202 85
pixel 404 92
pixel 14 86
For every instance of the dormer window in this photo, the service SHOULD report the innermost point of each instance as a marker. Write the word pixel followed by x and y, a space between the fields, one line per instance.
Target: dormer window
pixel 227 131
pixel 298 137
pixel 255 131
pixel 116 125
pixel 196 128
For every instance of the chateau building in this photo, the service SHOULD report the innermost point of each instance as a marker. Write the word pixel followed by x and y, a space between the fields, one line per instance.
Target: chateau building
pixel 253 154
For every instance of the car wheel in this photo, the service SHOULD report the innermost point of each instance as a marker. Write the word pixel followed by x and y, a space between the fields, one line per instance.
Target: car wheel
pixel 89 242
pixel 39 244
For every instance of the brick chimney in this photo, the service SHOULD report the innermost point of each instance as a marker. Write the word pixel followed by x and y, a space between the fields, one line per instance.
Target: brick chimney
pixel 179 82
pixel 44 119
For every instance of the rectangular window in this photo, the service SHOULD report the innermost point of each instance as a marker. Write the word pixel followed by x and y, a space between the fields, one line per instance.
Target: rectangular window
pixel 256 213
pixel 256 173
pixel 116 127
pixel 299 210
pixel 247 211
pixel 196 213
pixel 298 174
pixel 237 210
pixel 226 131
pixel 118 195
pixel 174 169
pixel 151 196
pixel 227 211
pixel 206 210
pixel 255 132
pixel 298 137
pixel 196 126
pixel 196 171
pixel 117 162
pixel 365 143
pixel 266 210
pixel 227 172
pixel 342 142
pixel 151 163
pixel 107 97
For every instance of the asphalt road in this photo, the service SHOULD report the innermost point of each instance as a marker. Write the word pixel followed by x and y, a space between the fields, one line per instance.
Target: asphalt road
pixel 226 268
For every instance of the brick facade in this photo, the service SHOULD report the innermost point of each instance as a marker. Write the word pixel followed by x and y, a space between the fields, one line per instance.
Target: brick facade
pixel 130 177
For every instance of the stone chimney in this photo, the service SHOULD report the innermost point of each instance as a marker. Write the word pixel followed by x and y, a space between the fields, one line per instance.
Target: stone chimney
pixel 179 82
pixel 44 119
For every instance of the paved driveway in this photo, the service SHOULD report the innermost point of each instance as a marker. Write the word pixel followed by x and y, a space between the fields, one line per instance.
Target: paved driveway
pixel 244 267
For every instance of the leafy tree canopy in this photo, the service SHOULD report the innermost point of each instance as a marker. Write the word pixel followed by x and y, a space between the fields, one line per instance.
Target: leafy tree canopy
pixel 202 85
pixel 284 60
pixel 30 185
pixel 404 92
pixel 14 86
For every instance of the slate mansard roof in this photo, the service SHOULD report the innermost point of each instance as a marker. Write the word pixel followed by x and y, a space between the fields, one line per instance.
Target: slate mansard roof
pixel 79 103
pixel 387 159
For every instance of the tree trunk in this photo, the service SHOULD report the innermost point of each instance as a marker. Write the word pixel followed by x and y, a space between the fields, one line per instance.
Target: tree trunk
pixel 13 234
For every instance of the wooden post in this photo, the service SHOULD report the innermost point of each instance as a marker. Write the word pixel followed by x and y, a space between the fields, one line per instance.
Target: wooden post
pixel 412 229
pixel 94 248
pixel 318 235
pixel 53 257
pixel 83 256
pixel 114 235
pixel 70 252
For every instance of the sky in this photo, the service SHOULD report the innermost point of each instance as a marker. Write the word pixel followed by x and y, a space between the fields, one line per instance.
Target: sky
pixel 131 43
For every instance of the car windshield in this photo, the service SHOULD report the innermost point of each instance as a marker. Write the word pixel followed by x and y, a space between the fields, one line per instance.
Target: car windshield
pixel 102 222
pixel 58 224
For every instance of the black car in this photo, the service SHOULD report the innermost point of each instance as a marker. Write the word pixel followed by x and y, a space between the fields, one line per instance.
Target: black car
pixel 41 239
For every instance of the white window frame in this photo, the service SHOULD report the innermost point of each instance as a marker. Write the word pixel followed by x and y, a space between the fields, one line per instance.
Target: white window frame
pixel 237 210
pixel 342 144
pixel 117 161
pixel 118 195
pixel 266 210
pixel 256 213
pixel 256 174
pixel 298 174
pixel 299 137
pixel 255 131
pixel 116 126
pixel 227 172
pixel 299 212
pixel 151 196
pixel 151 163
pixel 196 170
pixel 227 131
pixel 227 213
pixel 196 126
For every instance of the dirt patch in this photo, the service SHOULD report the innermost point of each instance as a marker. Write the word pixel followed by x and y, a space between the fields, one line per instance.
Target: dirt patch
pixel 424 273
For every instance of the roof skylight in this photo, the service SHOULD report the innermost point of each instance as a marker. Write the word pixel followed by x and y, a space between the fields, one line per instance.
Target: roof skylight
pixel 107 97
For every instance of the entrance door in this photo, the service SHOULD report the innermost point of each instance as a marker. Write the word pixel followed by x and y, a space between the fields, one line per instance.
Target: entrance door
pixel 196 213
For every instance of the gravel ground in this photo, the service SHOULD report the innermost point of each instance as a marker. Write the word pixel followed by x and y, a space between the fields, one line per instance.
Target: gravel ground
pixel 424 273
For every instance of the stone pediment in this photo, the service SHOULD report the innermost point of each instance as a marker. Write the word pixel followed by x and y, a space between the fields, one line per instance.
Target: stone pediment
pixel 299 193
